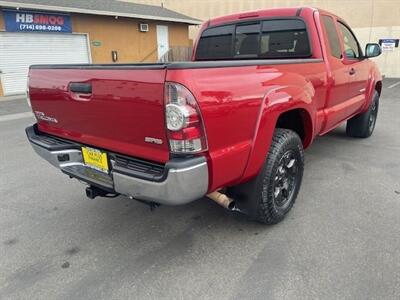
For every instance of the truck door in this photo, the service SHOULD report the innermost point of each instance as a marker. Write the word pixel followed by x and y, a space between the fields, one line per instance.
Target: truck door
pixel 338 76
pixel 358 67
pixel 348 73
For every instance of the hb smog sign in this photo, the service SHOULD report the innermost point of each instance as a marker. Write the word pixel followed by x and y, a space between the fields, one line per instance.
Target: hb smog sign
pixel 20 20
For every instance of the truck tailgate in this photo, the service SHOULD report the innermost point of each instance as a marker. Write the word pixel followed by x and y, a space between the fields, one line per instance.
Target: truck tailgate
pixel 114 109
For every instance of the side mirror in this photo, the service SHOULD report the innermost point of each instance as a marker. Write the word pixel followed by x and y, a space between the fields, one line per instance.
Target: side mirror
pixel 372 50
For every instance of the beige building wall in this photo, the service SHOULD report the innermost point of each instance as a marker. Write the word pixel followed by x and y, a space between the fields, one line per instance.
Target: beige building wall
pixel 371 19
pixel 123 35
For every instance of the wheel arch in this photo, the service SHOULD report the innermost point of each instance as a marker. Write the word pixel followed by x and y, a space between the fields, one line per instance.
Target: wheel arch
pixel 299 120
pixel 378 87
pixel 289 107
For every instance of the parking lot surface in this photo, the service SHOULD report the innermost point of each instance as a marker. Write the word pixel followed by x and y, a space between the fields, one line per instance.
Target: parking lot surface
pixel 341 240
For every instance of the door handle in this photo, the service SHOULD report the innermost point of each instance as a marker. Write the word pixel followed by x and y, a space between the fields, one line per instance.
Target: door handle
pixel 352 71
pixel 80 87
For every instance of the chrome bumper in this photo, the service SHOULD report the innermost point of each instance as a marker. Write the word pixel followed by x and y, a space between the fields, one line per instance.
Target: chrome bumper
pixel 183 181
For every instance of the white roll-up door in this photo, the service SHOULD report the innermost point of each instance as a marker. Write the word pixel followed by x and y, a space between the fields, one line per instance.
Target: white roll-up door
pixel 20 50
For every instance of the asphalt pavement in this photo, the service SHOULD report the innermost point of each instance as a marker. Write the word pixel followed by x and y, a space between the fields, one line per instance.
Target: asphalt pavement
pixel 340 241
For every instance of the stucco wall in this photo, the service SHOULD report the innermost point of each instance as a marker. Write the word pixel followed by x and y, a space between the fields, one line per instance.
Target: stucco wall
pixel 123 35
pixel 388 61
pixel 358 13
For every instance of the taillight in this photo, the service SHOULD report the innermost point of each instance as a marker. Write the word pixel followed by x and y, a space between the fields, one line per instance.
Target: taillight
pixel 185 128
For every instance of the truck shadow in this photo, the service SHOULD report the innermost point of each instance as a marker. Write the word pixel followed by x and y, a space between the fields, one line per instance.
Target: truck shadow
pixel 338 133
pixel 200 214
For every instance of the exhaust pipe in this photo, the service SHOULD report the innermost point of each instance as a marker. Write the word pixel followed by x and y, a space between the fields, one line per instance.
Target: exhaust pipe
pixel 222 200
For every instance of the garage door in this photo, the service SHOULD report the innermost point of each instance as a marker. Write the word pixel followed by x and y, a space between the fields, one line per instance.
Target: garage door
pixel 20 50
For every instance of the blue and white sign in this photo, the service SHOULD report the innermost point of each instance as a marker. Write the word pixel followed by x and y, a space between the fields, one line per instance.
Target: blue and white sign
pixel 388 44
pixel 20 20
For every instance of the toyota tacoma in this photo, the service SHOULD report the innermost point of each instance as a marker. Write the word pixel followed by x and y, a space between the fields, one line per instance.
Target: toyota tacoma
pixel 231 124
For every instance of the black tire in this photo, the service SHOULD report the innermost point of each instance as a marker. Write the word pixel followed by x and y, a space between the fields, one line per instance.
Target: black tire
pixel 279 181
pixel 363 125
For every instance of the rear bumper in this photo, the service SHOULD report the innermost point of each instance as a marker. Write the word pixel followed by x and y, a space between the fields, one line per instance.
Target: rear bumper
pixel 178 182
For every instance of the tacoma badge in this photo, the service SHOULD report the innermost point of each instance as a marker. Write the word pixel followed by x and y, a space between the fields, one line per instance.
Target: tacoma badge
pixel 42 116
pixel 152 140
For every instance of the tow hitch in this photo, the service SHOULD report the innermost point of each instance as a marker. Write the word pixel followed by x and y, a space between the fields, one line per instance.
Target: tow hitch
pixel 92 192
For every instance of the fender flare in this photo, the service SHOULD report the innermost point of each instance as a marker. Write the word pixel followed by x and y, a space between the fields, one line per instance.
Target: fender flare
pixel 375 81
pixel 275 103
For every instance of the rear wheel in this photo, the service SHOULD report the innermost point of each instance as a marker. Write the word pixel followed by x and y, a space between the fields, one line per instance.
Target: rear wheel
pixel 279 181
pixel 363 125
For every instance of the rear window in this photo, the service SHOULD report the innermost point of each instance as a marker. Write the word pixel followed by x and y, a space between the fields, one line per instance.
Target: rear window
pixel 216 41
pixel 247 38
pixel 265 39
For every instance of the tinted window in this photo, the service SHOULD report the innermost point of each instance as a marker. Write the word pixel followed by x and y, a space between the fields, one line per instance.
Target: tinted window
pixel 215 43
pixel 350 43
pixel 247 40
pixel 266 39
pixel 284 38
pixel 333 39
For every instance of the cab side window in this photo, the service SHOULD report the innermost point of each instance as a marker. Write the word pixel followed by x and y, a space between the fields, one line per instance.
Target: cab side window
pixel 333 38
pixel 351 47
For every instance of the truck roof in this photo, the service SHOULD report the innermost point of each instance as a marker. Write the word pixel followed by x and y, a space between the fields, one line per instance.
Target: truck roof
pixel 269 12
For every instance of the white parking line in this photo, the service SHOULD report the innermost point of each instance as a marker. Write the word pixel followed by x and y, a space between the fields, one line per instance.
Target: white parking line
pixel 393 85
pixel 23 115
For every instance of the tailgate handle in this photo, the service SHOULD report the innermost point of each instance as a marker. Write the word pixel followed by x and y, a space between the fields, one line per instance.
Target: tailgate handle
pixel 80 87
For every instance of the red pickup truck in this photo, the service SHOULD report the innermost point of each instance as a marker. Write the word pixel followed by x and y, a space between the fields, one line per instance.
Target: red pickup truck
pixel 230 124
